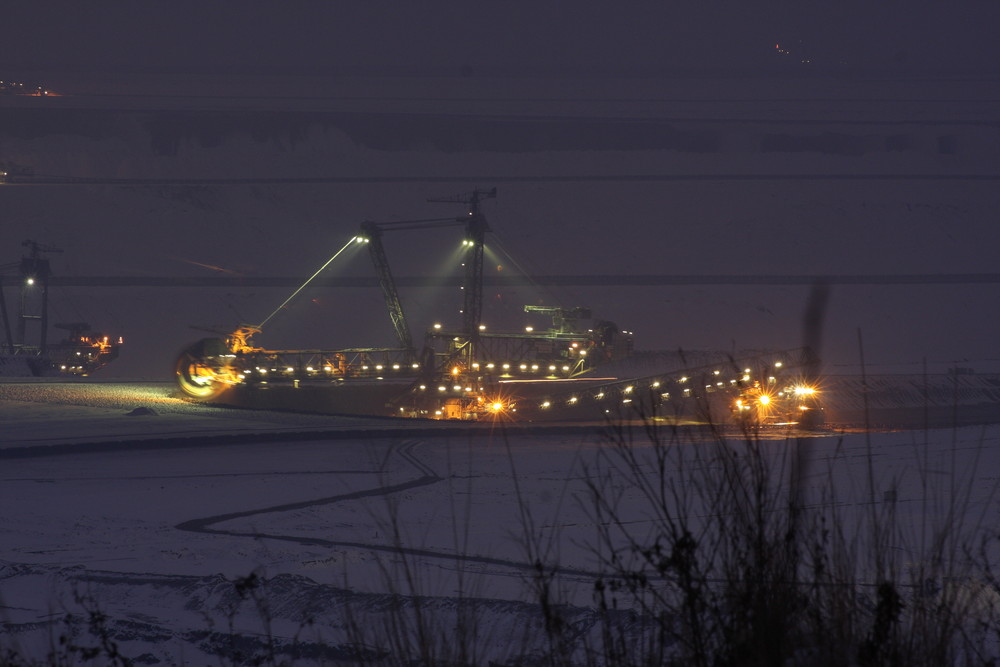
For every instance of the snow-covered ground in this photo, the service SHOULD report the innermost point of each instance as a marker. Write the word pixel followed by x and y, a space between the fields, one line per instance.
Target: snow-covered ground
pixel 158 531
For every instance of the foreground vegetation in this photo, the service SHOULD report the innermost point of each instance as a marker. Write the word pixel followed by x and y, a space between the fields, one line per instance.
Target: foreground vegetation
pixel 728 548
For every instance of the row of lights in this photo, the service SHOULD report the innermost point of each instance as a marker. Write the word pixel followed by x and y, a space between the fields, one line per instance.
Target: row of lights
pixel 476 367
pixel 331 369
pixel 656 384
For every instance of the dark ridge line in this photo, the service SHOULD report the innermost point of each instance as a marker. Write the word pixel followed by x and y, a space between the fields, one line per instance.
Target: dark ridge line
pixel 583 178
pixel 346 115
pixel 255 437
pixel 69 97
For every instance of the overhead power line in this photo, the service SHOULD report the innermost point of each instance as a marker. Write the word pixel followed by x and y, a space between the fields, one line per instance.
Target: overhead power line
pixel 643 280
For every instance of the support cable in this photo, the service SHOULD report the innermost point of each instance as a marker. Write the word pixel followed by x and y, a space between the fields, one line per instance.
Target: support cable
pixel 303 286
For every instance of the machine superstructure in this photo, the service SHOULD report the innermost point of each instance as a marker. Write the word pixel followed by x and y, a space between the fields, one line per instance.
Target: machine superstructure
pixel 574 368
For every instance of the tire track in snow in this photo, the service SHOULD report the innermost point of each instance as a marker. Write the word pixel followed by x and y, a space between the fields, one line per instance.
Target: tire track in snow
pixel 428 477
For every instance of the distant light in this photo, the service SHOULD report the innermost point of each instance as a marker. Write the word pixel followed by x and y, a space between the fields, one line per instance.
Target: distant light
pixel 529 329
pixel 30 281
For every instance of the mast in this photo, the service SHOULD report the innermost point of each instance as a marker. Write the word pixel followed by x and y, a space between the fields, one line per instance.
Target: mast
pixel 35 272
pixel 475 240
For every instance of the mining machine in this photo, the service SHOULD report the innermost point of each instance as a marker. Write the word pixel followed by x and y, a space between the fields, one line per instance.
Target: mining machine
pixel 567 371
pixel 28 350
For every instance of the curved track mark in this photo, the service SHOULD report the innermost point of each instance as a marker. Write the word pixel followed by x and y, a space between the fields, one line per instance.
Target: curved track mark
pixel 405 451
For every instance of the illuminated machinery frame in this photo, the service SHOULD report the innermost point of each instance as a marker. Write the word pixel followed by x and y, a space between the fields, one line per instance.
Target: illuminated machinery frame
pixel 457 374
pixel 485 377
pixel 209 367
pixel 768 390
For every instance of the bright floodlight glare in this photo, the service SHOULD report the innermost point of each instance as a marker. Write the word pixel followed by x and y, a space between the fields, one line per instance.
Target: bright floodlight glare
pixel 30 281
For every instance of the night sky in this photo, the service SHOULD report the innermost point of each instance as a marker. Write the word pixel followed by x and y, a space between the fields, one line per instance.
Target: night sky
pixel 500 39
pixel 665 138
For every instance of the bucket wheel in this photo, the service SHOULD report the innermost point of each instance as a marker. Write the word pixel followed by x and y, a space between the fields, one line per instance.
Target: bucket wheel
pixel 204 369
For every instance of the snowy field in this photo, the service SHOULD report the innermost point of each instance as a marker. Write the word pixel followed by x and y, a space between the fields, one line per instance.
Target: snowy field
pixel 118 512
